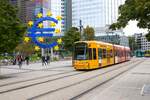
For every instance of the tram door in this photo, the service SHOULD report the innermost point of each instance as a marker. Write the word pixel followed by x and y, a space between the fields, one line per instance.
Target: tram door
pixel 93 59
pixel 108 57
pixel 104 57
pixel 100 57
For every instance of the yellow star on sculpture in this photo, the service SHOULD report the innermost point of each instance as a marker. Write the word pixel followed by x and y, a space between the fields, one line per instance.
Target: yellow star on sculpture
pixel 59 17
pixel 56 48
pixel 40 25
pixel 39 15
pixel 36 48
pixel 49 13
pixel 41 39
pixel 30 23
pixel 57 31
pixel 26 39
pixel 59 41
pixel 52 24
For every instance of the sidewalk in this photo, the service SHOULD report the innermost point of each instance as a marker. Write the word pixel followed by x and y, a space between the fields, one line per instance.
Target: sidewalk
pixel 135 85
pixel 34 66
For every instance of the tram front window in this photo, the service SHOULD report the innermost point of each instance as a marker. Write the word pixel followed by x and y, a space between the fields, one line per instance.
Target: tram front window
pixel 80 52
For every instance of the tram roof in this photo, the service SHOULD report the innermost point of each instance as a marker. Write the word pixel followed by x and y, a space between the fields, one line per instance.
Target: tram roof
pixel 101 42
pixel 93 42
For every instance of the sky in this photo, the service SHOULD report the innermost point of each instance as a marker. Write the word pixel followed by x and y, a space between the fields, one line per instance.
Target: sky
pixel 132 28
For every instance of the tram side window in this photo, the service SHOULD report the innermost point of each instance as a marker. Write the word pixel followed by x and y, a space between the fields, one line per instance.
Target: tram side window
pixel 108 53
pixel 99 53
pixel 116 53
pixel 119 53
pixel 90 54
pixel 111 53
pixel 104 53
pixel 94 53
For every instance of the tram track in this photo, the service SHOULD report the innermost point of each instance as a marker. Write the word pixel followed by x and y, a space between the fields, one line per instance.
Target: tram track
pixel 38 78
pixel 50 80
pixel 74 84
pixel 102 83
pixel 12 83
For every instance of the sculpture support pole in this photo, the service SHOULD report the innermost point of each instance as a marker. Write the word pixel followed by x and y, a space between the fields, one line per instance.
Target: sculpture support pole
pixel 52 55
pixel 42 52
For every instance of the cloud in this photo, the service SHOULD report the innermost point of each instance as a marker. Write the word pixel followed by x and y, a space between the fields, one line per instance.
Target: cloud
pixel 132 28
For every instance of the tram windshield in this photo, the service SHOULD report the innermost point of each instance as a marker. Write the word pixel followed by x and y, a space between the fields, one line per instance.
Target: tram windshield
pixel 80 51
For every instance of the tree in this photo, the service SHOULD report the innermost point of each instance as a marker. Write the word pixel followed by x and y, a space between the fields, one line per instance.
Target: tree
pixel 138 10
pixel 71 36
pixel 132 44
pixel 89 33
pixel 25 48
pixel 11 28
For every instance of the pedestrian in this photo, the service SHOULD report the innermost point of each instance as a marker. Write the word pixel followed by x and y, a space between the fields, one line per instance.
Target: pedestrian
pixel 27 60
pixel 19 59
pixel 47 59
pixel 14 61
pixel 44 61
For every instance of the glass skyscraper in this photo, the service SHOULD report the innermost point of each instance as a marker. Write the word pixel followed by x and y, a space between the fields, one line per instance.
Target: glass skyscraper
pixel 25 9
pixel 58 7
pixel 95 13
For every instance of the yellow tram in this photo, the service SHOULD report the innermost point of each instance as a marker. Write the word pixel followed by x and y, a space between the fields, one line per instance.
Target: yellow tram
pixel 95 54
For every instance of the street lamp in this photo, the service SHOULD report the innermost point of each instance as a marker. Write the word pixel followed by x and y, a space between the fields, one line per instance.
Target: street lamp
pixel 80 29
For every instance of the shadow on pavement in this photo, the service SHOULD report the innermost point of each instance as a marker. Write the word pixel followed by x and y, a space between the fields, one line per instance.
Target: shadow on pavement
pixel 2 77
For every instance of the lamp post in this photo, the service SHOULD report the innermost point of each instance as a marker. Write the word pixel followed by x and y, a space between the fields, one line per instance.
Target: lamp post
pixel 80 29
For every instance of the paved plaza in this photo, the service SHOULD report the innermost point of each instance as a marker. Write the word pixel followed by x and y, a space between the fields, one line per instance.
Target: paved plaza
pixel 60 81
pixel 14 69
pixel 135 85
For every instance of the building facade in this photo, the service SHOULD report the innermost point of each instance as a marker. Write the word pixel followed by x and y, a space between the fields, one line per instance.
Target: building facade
pixel 114 39
pixel 25 9
pixel 95 13
pixel 67 14
pixel 60 7
pixel 28 9
pixel 142 42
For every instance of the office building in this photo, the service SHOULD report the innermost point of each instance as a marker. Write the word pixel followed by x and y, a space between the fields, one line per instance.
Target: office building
pixel 95 13
pixel 67 14
pixel 142 42
pixel 25 9
pixel 29 9
pixel 114 38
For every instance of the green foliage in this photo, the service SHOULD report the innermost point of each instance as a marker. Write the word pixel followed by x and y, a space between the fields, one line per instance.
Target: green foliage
pixel 132 44
pixel 11 28
pixel 55 59
pixel 89 33
pixel 71 36
pixel 25 48
pixel 34 57
pixel 138 10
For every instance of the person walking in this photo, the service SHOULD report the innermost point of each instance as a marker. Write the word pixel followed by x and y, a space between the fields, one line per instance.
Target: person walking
pixel 27 60
pixel 19 59
pixel 44 61
pixel 47 59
